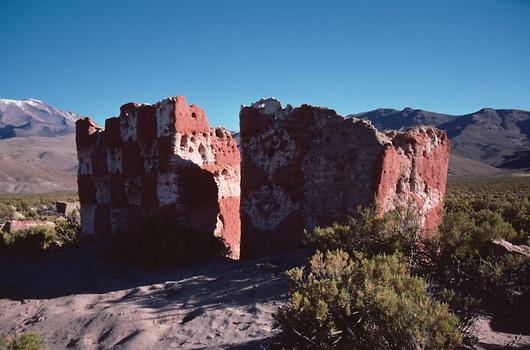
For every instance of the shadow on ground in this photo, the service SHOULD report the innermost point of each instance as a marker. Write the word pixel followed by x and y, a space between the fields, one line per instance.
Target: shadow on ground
pixel 115 305
pixel 82 271
pixel 519 324
pixel 179 298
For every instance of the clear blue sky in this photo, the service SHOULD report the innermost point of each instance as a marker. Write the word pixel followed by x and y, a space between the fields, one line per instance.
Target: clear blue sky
pixel 90 57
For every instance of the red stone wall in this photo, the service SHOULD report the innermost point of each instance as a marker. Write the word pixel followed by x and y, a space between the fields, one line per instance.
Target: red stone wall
pixel 415 171
pixel 158 157
pixel 307 166
pixel 300 168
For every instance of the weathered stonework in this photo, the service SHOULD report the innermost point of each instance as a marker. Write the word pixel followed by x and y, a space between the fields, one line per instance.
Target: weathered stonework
pixel 66 208
pixel 307 166
pixel 160 157
pixel 300 168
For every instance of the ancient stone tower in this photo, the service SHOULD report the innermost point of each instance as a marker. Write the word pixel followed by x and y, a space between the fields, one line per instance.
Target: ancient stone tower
pixel 160 157
pixel 307 166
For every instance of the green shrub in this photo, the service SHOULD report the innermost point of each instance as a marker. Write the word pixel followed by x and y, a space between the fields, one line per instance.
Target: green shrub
pixel 162 241
pixel 466 308
pixel 462 257
pixel 363 303
pixel 23 202
pixel 31 241
pixel 68 231
pixel 26 341
pixel 506 278
pixel 397 231
pixel 473 231
pixel 507 196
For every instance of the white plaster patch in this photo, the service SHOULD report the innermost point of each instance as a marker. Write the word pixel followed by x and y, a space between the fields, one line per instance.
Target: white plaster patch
pixel 197 148
pixel 409 186
pixel 133 189
pixel 228 182
pixel 268 207
pixel 165 117
pixel 428 148
pixel 85 162
pixel 114 160
pixel 150 155
pixel 431 200
pixel 102 186
pixel 167 188
pixel 219 226
pixel 268 106
pixel 118 220
pixel 87 218
pixel 128 127
pixel 435 141
pixel 272 149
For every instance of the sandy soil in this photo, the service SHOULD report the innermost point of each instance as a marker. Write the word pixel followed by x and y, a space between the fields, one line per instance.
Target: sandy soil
pixel 491 337
pixel 75 300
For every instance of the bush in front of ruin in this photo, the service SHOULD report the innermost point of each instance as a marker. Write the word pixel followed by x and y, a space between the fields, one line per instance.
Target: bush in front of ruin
pixel 463 257
pixel 460 262
pixel 36 240
pixel 31 241
pixel 478 210
pixel 459 256
pixel 68 230
pixel 353 301
pixel 396 231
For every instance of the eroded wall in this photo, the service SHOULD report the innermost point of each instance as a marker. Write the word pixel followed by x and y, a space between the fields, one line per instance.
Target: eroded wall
pixel 307 166
pixel 160 157
pixel 300 168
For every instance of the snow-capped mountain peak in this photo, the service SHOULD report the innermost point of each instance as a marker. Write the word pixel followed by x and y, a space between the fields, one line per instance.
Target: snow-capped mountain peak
pixel 31 117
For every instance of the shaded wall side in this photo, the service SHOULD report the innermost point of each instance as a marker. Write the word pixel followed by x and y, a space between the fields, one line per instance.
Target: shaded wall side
pixel 306 167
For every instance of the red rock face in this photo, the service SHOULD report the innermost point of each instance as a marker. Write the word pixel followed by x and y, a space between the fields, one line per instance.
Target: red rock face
pixel 162 157
pixel 305 167
pixel 415 171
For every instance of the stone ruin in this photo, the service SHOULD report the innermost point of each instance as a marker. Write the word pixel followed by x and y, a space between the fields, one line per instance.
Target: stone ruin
pixel 308 166
pixel 300 168
pixel 163 157
pixel 66 208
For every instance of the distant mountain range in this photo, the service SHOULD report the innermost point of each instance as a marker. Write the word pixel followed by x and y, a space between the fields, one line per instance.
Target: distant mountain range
pixel 485 142
pixel 33 118
pixel 38 154
pixel 37 147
